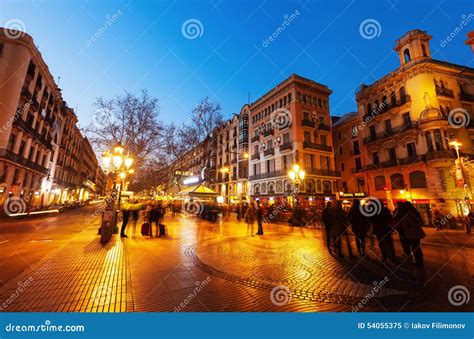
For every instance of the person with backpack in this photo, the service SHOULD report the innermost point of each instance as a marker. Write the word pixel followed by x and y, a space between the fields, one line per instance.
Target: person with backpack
pixel 409 224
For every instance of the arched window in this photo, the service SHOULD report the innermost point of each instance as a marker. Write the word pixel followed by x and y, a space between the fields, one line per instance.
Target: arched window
pixel 406 55
pixel 393 99
pixel 327 187
pixel 318 186
pixel 417 179
pixel 379 183
pixel 402 94
pixel 397 181
pixel 256 189
pixel 369 108
pixel 271 188
pixel 310 186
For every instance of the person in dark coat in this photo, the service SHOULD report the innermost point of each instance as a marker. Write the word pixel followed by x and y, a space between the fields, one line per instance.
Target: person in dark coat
pixel 382 228
pixel 154 218
pixel 408 223
pixel 339 223
pixel 125 218
pixel 327 225
pixel 359 225
pixel 259 214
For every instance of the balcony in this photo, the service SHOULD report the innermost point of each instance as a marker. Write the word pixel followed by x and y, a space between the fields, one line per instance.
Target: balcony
pixel 444 92
pixel 9 155
pixel 319 147
pixel 268 175
pixel 324 127
pixel 286 146
pixel 256 156
pixel 389 132
pixel 387 107
pixel 27 128
pixel 25 93
pixel 270 151
pixel 268 132
pixel 357 170
pixel 307 123
pixel 324 172
pixel 255 138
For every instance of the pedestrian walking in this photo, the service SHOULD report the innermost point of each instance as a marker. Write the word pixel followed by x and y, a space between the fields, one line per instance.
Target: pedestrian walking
pixel 359 226
pixel 382 228
pixel 259 214
pixel 408 223
pixel 327 225
pixel 125 218
pixel 135 217
pixel 469 222
pixel 250 219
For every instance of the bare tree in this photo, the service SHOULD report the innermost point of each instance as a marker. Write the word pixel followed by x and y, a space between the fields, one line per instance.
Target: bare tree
pixel 205 117
pixel 131 120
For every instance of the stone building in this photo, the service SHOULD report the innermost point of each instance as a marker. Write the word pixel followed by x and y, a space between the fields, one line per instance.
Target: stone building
pixel 407 122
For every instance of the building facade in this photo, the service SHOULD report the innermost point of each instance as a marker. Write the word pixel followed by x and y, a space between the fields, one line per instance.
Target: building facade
pixel 291 125
pixel 406 125
pixel 33 119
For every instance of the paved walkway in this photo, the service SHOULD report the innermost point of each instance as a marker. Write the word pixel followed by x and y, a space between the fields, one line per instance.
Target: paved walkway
pixel 201 266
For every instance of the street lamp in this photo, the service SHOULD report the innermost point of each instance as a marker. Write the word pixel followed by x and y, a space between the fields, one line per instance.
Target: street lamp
pixel 297 176
pixel 118 164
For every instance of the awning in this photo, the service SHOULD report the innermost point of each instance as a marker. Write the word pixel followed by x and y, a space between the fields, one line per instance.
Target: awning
pixel 199 190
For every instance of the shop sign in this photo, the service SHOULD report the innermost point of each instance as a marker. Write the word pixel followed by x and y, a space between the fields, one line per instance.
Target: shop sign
pixel 353 195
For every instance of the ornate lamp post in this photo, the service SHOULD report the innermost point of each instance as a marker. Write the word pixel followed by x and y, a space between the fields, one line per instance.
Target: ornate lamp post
pixel 119 165
pixel 297 176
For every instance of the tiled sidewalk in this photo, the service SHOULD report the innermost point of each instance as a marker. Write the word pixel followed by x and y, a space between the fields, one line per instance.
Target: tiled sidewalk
pixel 201 266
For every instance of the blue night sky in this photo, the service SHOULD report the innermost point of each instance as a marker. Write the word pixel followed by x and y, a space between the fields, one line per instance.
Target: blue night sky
pixel 143 46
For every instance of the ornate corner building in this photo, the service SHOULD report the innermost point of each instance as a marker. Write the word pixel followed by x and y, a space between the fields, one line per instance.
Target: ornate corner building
pixel 399 144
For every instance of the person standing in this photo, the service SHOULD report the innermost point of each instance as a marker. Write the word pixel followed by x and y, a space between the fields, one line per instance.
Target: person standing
pixel 259 214
pixel 409 223
pixel 250 218
pixel 381 225
pixel 125 217
pixel 135 217
pixel 469 222
pixel 340 224
pixel 327 225
pixel 359 226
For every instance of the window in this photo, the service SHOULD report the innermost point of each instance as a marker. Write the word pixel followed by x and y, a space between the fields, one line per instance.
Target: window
pixel 411 149
pixel 308 160
pixel 379 183
pixel 11 142
pixel 286 159
pixel 429 142
pixel 22 148
pixel 393 99
pixel 342 167
pixel 355 147
pixel 305 116
pixel 323 139
pixel 327 187
pixel 417 179
pixel 373 134
pixel 406 55
pixel 325 162
pixel 340 150
pixel 307 136
pixel 388 125
pixel 256 169
pixel 286 138
pixel 375 158
pixel 1 48
pixel 397 181
pixel 392 154
pixel 358 163
pixel 406 119
pixel 270 165
pixel 423 49
pixel 361 185
pixel 269 144
pixel 402 94
pixel 438 140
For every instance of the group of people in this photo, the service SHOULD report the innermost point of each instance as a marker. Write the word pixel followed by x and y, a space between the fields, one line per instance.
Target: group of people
pixel 251 212
pixel 405 220
pixel 153 214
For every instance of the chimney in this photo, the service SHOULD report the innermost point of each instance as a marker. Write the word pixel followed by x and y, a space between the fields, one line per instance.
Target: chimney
pixel 470 40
